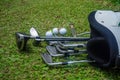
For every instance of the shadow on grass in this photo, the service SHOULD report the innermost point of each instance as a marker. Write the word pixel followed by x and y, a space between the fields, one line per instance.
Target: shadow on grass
pixel 27 50
pixel 111 73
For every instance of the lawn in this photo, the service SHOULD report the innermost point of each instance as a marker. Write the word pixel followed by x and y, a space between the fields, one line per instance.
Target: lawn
pixel 21 15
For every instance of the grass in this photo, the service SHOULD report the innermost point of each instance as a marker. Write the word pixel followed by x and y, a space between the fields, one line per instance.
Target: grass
pixel 116 2
pixel 20 15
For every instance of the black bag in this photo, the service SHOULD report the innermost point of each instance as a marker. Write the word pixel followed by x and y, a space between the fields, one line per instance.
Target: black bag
pixel 104 45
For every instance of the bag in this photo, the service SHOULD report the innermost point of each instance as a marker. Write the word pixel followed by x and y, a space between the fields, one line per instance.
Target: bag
pixel 104 43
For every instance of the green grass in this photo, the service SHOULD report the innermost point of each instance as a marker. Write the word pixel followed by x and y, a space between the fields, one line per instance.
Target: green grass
pixel 20 15
pixel 116 2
